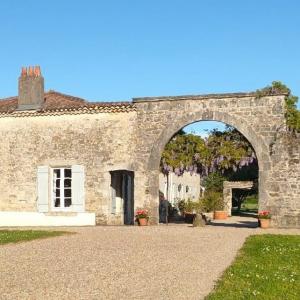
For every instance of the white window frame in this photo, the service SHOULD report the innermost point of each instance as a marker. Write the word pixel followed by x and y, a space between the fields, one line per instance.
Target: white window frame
pixel 62 189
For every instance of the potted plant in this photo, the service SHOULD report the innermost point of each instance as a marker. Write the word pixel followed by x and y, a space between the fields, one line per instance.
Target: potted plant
pixel 142 217
pixel 220 214
pixel 214 202
pixel 264 219
pixel 190 210
pixel 181 207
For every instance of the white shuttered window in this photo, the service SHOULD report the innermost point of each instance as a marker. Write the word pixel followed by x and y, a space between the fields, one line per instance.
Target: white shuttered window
pixel 66 186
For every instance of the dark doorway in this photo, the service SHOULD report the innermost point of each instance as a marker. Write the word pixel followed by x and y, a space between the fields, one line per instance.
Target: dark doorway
pixel 122 184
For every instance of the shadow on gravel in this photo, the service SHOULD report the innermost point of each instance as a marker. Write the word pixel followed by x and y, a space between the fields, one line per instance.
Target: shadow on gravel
pixel 240 224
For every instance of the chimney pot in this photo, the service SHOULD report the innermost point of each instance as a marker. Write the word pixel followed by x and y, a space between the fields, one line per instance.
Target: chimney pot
pixel 30 72
pixel 24 71
pixel 37 71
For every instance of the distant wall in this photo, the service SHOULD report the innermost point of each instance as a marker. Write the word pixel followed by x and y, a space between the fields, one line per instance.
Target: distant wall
pixel 182 187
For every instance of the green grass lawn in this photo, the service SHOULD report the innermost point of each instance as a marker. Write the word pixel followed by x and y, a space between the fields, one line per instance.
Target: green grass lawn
pixel 251 203
pixel 267 267
pixel 248 208
pixel 14 236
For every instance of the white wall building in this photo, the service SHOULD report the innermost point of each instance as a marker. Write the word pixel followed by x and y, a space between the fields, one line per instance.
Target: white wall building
pixel 176 188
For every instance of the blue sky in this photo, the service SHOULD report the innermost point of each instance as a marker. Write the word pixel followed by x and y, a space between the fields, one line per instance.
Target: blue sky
pixel 116 50
pixel 204 127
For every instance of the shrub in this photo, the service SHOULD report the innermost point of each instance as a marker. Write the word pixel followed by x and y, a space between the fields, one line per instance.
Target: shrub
pixel 214 181
pixel 181 205
pixel 211 201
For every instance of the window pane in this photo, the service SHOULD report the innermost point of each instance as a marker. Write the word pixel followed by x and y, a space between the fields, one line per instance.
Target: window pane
pixel 68 202
pixel 68 173
pixel 56 173
pixel 57 202
pixel 67 183
pixel 68 193
pixel 57 183
pixel 57 193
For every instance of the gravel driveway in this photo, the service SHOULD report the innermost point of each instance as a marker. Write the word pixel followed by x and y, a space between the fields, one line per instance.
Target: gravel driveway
pixel 155 262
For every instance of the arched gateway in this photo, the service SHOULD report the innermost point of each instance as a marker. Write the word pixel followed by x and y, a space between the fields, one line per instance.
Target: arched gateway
pixel 260 120
pixel 67 161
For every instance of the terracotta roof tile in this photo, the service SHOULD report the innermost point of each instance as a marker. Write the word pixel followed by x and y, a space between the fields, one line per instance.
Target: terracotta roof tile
pixel 58 102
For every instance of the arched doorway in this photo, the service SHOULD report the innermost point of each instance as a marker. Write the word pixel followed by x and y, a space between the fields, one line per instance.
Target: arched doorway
pixel 198 163
pixel 260 147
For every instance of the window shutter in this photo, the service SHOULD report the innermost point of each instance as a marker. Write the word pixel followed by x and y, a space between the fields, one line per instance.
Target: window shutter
pixel 43 189
pixel 78 188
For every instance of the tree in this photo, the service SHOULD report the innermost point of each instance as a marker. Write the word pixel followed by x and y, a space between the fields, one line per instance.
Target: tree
pixel 180 153
pixel 225 152
pixel 214 182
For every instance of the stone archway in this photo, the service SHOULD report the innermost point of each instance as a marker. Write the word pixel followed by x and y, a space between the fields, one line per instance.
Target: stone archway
pixel 158 119
pixel 257 143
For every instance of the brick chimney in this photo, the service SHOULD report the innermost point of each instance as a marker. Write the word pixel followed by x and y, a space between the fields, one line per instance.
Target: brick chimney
pixel 31 88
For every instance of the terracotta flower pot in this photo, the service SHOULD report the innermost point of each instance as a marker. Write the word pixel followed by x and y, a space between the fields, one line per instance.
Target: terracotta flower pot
pixel 220 215
pixel 264 223
pixel 143 222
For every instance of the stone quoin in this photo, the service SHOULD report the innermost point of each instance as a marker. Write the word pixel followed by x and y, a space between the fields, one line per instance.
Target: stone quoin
pixel 67 161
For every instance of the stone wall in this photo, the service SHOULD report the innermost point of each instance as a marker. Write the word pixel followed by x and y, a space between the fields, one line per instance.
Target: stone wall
pixel 100 142
pixel 283 182
pixel 134 140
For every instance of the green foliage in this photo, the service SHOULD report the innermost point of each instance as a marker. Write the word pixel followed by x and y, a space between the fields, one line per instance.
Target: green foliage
pixel 228 149
pixel 14 236
pixel 222 151
pixel 292 114
pixel 251 200
pixel 277 87
pixel 267 267
pixel 181 206
pixel 191 206
pixel 212 201
pixel 180 151
pixel 214 181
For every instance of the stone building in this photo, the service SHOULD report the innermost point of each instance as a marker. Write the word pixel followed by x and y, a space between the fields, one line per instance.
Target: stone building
pixel 67 161
pixel 184 187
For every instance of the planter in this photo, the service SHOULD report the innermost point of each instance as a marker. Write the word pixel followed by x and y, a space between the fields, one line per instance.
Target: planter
pixel 189 217
pixel 220 214
pixel 264 223
pixel 143 221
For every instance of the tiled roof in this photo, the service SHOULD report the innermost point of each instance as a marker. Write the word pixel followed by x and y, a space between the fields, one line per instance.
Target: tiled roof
pixel 58 103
